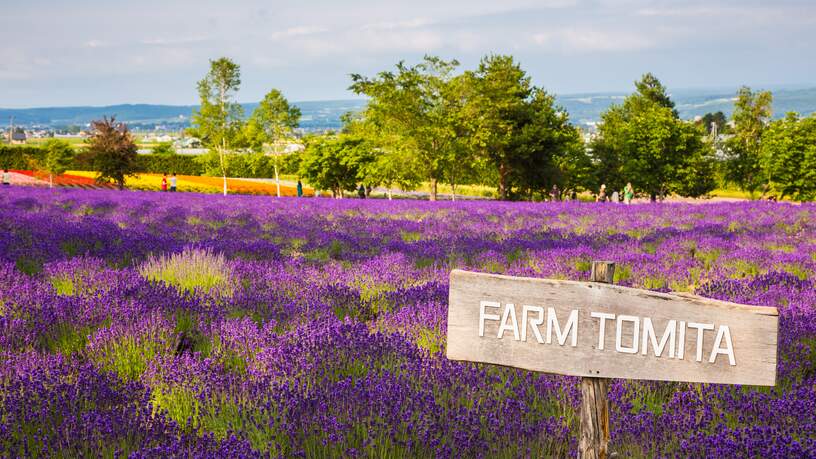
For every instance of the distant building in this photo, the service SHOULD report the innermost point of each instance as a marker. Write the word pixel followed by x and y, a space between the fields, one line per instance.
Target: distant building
pixel 17 137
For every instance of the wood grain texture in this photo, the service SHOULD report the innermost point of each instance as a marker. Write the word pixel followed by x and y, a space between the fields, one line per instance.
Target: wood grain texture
pixel 594 443
pixel 753 331
pixel 594 440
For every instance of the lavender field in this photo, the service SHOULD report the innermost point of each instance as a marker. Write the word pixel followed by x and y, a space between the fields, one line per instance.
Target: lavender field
pixel 146 325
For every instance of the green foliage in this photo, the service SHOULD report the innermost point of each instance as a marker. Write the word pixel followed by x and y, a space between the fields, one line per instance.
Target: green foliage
pixel 250 165
pixel 191 270
pixel 271 122
pixel 57 158
pixel 112 151
pixel 751 112
pixel 414 108
pixel 19 156
pixel 162 163
pixel 788 156
pixel 66 339
pixel 643 142
pixel 335 163
pixel 164 149
pixel 717 119
pixel 650 89
pixel 219 120
pixel 519 132
pixel 128 356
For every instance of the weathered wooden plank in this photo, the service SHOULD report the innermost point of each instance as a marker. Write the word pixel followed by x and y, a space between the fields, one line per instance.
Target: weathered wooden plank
pixel 594 440
pixel 740 339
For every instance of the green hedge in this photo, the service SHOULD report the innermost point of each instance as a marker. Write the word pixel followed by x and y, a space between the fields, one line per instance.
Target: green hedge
pixel 159 164
pixel 248 165
pixel 18 156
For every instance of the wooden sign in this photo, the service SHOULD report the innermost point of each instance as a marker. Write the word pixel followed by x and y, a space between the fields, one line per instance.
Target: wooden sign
pixel 601 330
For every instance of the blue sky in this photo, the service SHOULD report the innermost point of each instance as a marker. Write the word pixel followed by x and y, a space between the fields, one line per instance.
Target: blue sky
pixel 93 52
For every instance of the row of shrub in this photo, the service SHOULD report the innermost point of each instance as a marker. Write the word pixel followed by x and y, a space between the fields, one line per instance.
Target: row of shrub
pixel 249 165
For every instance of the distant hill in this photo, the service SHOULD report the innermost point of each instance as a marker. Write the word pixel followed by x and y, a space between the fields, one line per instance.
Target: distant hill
pixel 587 108
pixel 316 115
pixel 321 115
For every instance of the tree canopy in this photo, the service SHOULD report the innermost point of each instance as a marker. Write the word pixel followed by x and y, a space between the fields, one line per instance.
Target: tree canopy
pixel 752 110
pixel 219 120
pixel 643 142
pixel 788 156
pixel 112 151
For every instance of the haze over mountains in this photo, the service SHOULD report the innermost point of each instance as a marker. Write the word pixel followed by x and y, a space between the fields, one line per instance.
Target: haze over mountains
pixel 584 109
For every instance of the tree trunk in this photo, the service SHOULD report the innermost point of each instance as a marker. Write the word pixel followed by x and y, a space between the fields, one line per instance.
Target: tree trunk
pixel 433 189
pixel 277 180
pixel 453 191
pixel 223 158
pixel 594 415
pixel 502 181
pixel 388 192
pixel 50 180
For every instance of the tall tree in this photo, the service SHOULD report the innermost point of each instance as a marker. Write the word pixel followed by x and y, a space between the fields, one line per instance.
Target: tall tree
pixel 392 163
pixel 335 162
pixel 788 156
pixel 57 158
pixel 518 129
pixel 752 110
pixel 412 106
pixel 651 89
pixel 270 125
pixel 112 151
pixel 219 120
pixel 716 120
pixel 498 106
pixel 643 142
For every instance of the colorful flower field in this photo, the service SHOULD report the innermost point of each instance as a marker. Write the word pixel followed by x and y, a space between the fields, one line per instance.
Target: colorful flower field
pixel 202 184
pixel 138 324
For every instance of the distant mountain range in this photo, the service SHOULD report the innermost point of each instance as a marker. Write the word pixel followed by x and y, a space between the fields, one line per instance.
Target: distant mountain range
pixel 584 109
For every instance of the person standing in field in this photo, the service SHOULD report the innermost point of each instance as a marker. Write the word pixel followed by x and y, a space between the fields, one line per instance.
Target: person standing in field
pixel 164 182
pixel 299 189
pixel 615 197
pixel 361 192
pixel 555 193
pixel 173 182
pixel 6 177
pixel 628 193
pixel 601 194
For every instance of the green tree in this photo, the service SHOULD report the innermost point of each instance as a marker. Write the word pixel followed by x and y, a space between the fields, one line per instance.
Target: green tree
pixel 412 107
pixel 273 121
pixel 391 164
pixel 335 162
pixel 649 88
pixel 643 142
pixel 752 110
pixel 219 120
pixel 112 151
pixel 164 149
pixel 519 131
pixel 788 156
pixel 718 119
pixel 56 159
pixel 270 125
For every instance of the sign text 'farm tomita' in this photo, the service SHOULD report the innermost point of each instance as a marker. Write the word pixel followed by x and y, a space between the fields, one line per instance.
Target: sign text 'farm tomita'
pixel 601 330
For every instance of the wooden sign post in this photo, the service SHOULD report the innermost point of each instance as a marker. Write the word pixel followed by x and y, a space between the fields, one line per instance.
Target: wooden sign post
pixel 598 331
pixel 594 441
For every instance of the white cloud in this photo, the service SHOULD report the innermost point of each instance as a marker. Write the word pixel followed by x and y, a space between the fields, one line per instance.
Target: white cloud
pixel 585 39
pixel 299 31
pixel 403 24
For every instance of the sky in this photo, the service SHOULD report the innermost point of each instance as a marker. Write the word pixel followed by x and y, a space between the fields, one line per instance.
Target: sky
pixel 104 52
